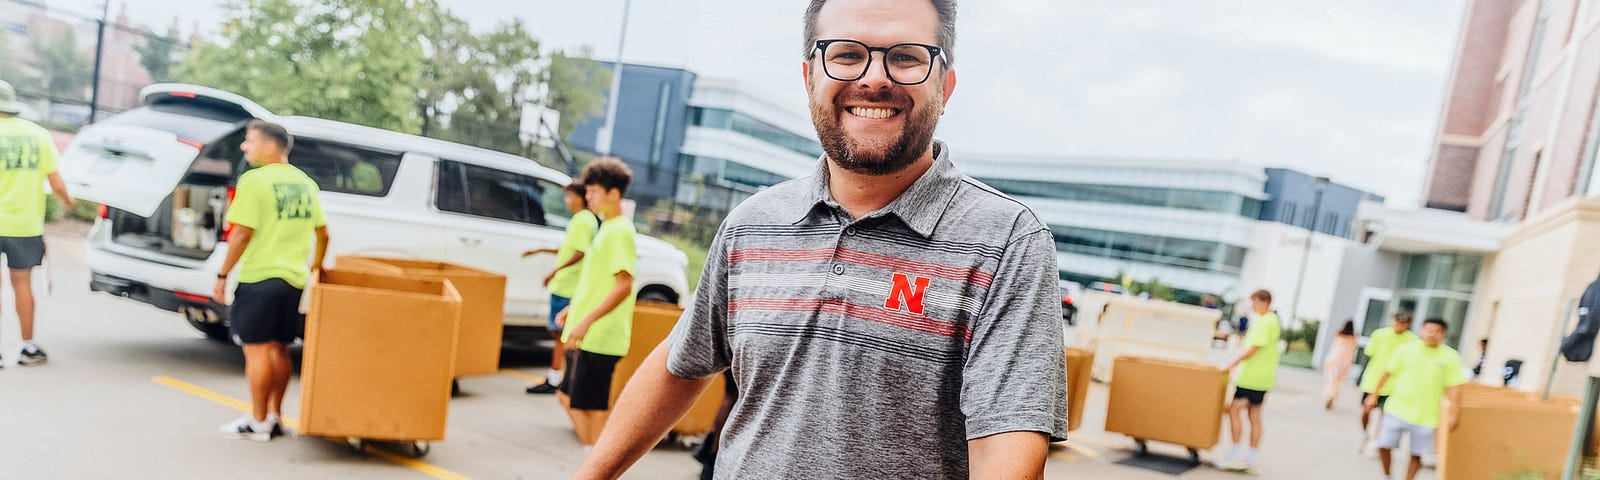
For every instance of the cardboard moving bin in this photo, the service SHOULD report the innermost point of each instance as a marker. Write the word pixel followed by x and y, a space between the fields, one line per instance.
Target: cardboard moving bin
pixel 1167 401
pixel 652 322
pixel 1079 364
pixel 483 300
pixel 379 352
pixel 1503 432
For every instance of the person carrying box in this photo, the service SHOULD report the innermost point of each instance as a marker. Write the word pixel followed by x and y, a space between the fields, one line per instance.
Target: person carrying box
pixel 274 213
pixel 563 280
pixel 599 324
pixel 1422 374
pixel 1257 376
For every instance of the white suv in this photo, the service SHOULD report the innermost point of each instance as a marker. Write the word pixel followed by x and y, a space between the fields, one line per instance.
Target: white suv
pixel 165 173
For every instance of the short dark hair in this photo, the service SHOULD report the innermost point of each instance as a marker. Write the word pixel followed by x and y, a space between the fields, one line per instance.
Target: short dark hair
pixel 1403 316
pixel 1262 295
pixel 578 188
pixel 947 27
pixel 1437 321
pixel 1349 328
pixel 608 173
pixel 273 132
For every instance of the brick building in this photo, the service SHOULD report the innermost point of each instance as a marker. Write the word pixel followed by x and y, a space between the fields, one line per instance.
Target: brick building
pixel 1517 144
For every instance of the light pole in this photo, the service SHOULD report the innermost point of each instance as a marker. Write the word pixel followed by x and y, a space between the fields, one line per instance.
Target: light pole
pixel 1305 258
pixel 99 51
pixel 604 138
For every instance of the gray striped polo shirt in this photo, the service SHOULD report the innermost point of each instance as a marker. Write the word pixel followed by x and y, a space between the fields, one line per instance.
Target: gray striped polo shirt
pixel 877 347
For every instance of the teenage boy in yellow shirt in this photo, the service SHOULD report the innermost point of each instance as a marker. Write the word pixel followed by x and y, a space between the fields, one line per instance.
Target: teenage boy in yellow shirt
pixel 599 324
pixel 563 280
pixel 1257 375
pixel 27 160
pixel 1422 374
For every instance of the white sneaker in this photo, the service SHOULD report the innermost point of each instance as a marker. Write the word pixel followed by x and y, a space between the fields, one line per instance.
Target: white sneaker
pixel 245 428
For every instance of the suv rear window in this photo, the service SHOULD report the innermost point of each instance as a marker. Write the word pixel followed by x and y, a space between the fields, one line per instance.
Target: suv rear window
pixel 490 193
pixel 345 169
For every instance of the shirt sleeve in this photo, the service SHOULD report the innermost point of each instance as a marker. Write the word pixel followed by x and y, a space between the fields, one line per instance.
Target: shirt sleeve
pixel 1258 337
pixel 48 156
pixel 698 346
pixel 1396 361
pixel 1456 375
pixel 1015 376
pixel 318 217
pixel 580 233
pixel 627 252
pixel 248 209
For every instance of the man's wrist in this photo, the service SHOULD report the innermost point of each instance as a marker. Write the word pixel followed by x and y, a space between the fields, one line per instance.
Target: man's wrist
pixel 222 275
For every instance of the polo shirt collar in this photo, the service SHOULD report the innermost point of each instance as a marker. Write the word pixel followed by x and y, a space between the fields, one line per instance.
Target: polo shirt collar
pixel 920 207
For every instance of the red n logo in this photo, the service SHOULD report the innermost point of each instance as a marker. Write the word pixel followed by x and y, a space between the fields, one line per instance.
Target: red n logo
pixel 903 291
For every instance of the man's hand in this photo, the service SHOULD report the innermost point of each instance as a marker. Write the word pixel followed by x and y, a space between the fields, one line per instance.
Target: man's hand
pixel 70 203
pixel 1452 424
pixel 1369 404
pixel 219 293
pixel 548 278
pixel 575 333
pixel 561 318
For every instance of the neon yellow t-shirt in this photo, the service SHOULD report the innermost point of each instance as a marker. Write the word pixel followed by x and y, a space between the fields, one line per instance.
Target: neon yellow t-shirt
pixel 27 158
pixel 1380 346
pixel 280 203
pixel 612 252
pixel 1420 374
pixel 580 233
pixel 1260 371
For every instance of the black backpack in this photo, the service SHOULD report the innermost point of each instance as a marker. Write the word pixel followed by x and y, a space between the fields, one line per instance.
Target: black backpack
pixel 1579 345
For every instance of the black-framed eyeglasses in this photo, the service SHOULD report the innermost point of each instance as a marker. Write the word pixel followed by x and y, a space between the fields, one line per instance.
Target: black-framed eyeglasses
pixel 905 63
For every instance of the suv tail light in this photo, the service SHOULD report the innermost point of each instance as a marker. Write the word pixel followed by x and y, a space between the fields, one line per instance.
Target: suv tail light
pixel 105 212
pixel 227 229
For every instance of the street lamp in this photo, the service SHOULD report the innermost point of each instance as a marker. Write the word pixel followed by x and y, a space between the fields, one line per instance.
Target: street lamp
pixel 603 140
pixel 1305 258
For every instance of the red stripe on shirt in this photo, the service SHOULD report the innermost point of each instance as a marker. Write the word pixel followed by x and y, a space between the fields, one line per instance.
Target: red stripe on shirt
pixel 868 313
pixel 886 262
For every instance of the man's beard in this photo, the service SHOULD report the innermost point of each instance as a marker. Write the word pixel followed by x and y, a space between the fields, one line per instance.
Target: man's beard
pixel 916 135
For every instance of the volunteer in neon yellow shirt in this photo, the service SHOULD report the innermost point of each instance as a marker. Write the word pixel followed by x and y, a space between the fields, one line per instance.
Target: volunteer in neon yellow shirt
pixel 1422 375
pixel 274 215
pixel 563 280
pixel 27 160
pixel 599 325
pixel 1258 374
pixel 1380 346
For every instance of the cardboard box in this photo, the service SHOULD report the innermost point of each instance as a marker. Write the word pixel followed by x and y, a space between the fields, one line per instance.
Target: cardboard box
pixel 652 322
pixel 483 300
pixel 379 355
pixel 1167 401
pixel 1079 363
pixel 1505 433
pixel 1129 326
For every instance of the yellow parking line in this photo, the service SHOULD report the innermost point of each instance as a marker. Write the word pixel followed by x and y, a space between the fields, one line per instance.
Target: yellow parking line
pixel 1065 456
pixel 1085 451
pixel 236 404
pixel 521 375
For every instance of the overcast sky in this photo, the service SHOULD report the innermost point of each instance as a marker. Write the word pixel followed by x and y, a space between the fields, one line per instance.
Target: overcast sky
pixel 1346 88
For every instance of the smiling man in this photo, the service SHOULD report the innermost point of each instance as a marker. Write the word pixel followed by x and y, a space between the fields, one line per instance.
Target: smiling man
pixel 885 317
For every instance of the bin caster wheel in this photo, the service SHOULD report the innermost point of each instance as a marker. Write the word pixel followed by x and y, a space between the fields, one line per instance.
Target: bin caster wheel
pixel 356 445
pixel 455 388
pixel 1194 457
pixel 419 449
pixel 1141 448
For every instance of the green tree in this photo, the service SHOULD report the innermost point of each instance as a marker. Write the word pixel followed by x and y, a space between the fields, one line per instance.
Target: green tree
pixel 359 61
pixel 578 87
pixel 64 72
pixel 157 53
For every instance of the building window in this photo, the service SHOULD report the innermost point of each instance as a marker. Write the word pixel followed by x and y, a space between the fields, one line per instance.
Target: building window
pixel 722 119
pixel 663 102
pixel 1203 200
pixel 1175 252
pixel 719 171
pixel 1587 182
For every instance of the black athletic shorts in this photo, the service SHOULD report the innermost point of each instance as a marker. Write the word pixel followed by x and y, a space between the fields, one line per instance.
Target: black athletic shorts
pixel 22 253
pixel 1382 399
pixel 587 380
pixel 265 311
pixel 1256 397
